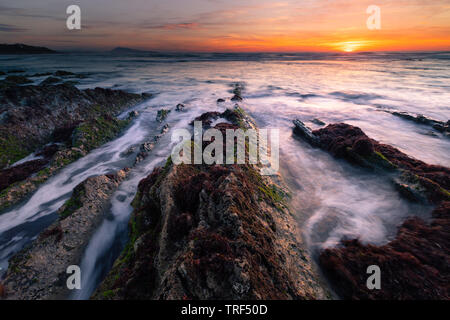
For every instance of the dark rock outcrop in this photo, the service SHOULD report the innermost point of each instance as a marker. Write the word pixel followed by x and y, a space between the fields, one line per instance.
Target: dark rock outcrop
pixel 32 113
pixel 32 116
pixel 211 232
pixel 20 172
pixel 441 126
pixel 162 115
pixel 23 49
pixel 416 264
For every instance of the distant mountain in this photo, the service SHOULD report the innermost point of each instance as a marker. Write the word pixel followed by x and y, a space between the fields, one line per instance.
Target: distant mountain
pixel 19 48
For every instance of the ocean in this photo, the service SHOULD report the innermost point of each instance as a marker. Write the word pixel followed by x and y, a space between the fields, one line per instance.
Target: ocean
pixel 330 198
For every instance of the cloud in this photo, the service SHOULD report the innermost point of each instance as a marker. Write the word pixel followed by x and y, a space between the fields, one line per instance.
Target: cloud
pixel 28 13
pixel 174 26
pixel 11 28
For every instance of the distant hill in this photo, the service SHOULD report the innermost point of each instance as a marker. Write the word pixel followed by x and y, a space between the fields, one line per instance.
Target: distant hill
pixel 19 48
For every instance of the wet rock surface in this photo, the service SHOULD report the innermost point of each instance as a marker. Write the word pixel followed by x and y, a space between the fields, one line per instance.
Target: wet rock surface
pixel 211 232
pixel 415 265
pixel 31 114
pixel 79 120
pixel 441 126
pixel 39 271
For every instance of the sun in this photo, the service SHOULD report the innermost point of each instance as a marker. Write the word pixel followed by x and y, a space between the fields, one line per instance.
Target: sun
pixel 348 46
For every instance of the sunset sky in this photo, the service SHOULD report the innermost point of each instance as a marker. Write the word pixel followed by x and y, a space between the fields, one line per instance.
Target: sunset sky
pixel 229 25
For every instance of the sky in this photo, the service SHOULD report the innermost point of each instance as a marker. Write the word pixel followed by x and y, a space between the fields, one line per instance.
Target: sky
pixel 229 25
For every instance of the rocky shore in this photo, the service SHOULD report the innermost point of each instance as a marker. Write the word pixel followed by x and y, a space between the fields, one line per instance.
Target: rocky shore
pixel 416 264
pixel 38 272
pixel 212 232
pixel 58 124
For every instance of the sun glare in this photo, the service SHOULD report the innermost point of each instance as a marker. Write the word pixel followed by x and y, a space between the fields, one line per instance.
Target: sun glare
pixel 349 46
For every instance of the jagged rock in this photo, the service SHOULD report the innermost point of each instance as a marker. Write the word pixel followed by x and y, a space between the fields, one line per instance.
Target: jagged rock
pixel 305 132
pixel 162 115
pixel 164 129
pixel 2 291
pixel 237 91
pixel 16 71
pixel 63 73
pixel 220 100
pixel 207 118
pixel 50 81
pixel 146 95
pixel 79 139
pixel 179 107
pixel 440 126
pixel 415 264
pixel 133 114
pixel 211 232
pixel 34 113
pixel 17 80
pixel 318 122
pixel 346 141
pixel 39 271
pixel 20 172
pixel 147 146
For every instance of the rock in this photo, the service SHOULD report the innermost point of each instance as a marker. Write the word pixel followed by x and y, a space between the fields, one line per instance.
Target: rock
pixel 80 120
pixel 302 130
pixel 133 114
pixel 351 143
pixel 40 74
pixel 36 112
pixel 318 122
pixel 164 129
pixel 421 119
pixel 17 80
pixel 62 73
pixel 147 146
pixel 179 107
pixel 429 133
pixel 16 71
pixel 162 115
pixel 207 118
pixel 211 232
pixel 146 95
pixel 237 91
pixel 20 172
pixel 61 244
pixel 413 266
pixel 363 146
pixel 2 291
pixel 220 100
pixel 50 81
